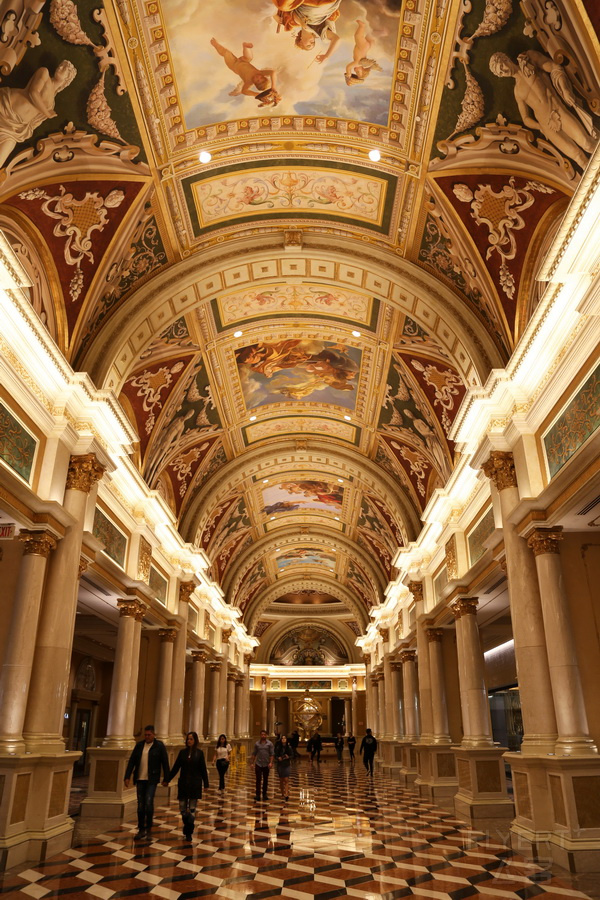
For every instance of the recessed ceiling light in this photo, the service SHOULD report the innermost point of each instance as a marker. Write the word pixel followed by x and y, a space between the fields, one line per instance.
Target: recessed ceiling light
pixel 265 480
pixel 272 517
pixel 204 156
pixel 238 333
pixel 341 480
pixel 347 418
pixel 337 518
pixel 253 418
pixel 374 155
pixel 356 333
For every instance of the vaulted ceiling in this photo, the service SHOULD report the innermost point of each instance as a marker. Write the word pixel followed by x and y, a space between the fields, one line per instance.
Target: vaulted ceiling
pixel 291 325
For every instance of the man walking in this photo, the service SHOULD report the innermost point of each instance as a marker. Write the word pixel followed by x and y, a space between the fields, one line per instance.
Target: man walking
pixel 262 760
pixel 147 759
pixel 368 748
pixel 339 746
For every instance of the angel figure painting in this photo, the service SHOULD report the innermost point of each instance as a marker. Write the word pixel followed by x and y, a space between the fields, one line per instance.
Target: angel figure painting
pixel 306 556
pixel 293 495
pixel 299 370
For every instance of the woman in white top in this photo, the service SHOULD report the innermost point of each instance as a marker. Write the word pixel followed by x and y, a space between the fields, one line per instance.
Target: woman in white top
pixel 221 758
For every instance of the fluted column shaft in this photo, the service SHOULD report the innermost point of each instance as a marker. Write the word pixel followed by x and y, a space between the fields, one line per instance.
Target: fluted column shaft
pixel 263 705
pixel 124 677
pixel 178 674
pixel 473 692
pixel 537 705
pixel 213 712
pixel 231 680
pixel 571 717
pixel 49 683
pixel 240 708
pixel 20 644
pixel 380 696
pixel 409 678
pixel 198 688
pixel 439 707
pixel 165 673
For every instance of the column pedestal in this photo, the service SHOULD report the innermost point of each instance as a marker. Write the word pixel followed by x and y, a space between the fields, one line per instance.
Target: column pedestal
pixel 34 820
pixel 409 760
pixel 482 790
pixel 557 810
pixel 436 765
pixel 107 795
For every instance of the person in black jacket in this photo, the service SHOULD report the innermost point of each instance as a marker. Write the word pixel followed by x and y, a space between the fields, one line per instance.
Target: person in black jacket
pixel 148 757
pixel 368 748
pixel 193 774
pixel 316 747
pixel 339 746
pixel 351 741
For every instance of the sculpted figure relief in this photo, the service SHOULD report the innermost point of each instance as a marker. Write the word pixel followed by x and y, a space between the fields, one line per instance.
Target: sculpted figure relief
pixel 547 103
pixel 23 109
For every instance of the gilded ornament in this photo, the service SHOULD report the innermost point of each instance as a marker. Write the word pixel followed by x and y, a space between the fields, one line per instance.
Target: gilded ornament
pixel 83 564
pixel 199 656
pixel 435 635
pixel 144 560
pixel 500 468
pixel 545 540
pixel 408 656
pixel 226 634
pixel 451 561
pixel 167 635
pixel 37 543
pixel 416 589
pixel 128 608
pixel 186 589
pixel 385 634
pixel 464 606
pixel 83 473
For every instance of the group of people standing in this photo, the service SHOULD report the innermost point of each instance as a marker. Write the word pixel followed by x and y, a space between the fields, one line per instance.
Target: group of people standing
pixel 149 758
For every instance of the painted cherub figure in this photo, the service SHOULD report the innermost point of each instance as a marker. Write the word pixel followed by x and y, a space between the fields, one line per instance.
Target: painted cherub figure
pixel 361 65
pixel 262 80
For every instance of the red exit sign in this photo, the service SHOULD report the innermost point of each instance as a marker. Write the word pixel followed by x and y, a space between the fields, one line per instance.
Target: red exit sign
pixel 7 531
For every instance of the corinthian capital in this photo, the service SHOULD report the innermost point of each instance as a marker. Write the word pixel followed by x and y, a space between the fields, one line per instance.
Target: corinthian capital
pixel 37 543
pixel 464 606
pixel 500 468
pixel 408 656
pixel 83 473
pixel 416 589
pixel 186 589
pixel 545 540
pixel 435 635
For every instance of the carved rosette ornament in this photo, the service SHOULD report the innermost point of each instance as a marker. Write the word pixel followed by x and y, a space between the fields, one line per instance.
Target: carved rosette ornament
pixel 83 473
pixel 199 656
pixel 128 608
pixel 451 562
pixel 408 656
pixel 464 606
pixel 500 468
pixel 144 560
pixel 167 635
pixel 37 543
pixel 186 589
pixel 416 589
pixel 545 540
pixel 435 635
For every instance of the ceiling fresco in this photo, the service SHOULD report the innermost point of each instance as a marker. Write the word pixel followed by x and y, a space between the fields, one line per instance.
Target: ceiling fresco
pixel 291 320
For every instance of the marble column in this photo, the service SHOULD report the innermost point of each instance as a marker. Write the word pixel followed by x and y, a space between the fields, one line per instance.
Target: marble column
pixel 165 672
pixel 348 714
pixel 409 678
pixel 425 712
pixel 264 725
pixel 247 706
pixel 124 680
pixel 240 707
pixel 231 717
pixel 473 693
pixel 537 705
pixel 213 711
pixel 20 642
pixel 571 717
pixel 393 690
pixel 381 711
pixel 439 708
pixel 271 718
pixel 354 703
pixel 44 717
pixel 137 640
pixel 388 691
pixel 199 658
pixel 186 590
pixel 223 672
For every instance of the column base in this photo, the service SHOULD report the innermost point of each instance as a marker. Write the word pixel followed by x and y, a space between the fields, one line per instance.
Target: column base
pixel 34 820
pixel 436 765
pixel 557 811
pixel 107 795
pixel 482 791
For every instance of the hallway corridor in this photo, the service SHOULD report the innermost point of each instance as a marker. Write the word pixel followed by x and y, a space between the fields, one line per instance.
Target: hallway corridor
pixel 341 834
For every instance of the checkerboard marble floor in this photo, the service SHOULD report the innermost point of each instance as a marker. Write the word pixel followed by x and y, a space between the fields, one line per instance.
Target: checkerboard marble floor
pixel 342 834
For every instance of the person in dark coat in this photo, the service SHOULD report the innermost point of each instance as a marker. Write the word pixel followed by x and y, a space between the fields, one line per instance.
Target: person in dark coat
pixel 368 748
pixel 191 765
pixel 317 746
pixel 147 758
pixel 351 741
pixel 294 740
pixel 339 746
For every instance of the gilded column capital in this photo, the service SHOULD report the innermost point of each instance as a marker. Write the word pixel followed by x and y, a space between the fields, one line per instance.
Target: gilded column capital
pixel 239 681
pixel 396 666
pixel 416 589
pixel 464 606
pixel 231 676
pixel 83 473
pixel 83 564
pixel 225 635
pixel 37 543
pixel 214 666
pixel 366 659
pixel 186 589
pixel 500 468
pixel 435 635
pixel 545 540
pixel 141 611
pixel 167 635
pixel 199 656
pixel 385 634
pixel 248 658
pixel 128 608
pixel 408 656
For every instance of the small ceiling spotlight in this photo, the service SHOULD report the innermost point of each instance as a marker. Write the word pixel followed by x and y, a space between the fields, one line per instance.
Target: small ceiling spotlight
pixel 204 156
pixel 253 418
pixel 374 155
pixel 337 518
pixel 265 480
pixel 238 333
pixel 356 333
pixel 348 418
pixel 341 480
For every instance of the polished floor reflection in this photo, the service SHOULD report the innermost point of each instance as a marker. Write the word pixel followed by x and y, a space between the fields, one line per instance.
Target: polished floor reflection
pixel 341 834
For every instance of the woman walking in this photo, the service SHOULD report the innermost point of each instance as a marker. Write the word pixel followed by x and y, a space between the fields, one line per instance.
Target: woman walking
pixel 221 759
pixel 192 767
pixel 283 756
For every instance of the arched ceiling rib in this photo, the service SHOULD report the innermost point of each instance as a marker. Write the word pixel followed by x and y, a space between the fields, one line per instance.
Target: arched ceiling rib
pixel 291 326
